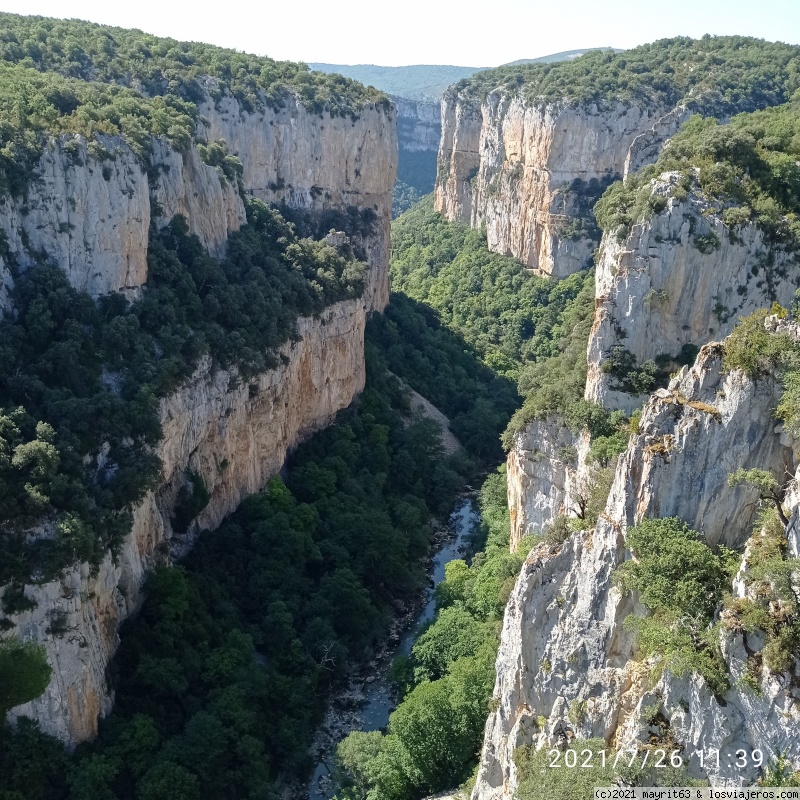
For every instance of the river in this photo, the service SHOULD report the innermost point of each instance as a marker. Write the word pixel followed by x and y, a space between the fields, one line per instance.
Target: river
pixel 367 708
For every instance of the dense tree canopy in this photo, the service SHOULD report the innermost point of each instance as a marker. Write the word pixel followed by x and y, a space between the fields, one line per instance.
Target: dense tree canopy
pixel 69 76
pixel 436 731
pixel 160 66
pixel 716 75
pixel 221 679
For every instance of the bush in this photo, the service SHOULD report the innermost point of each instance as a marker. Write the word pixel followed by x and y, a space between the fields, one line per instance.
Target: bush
pixel 24 673
pixel 745 170
pixel 756 352
pixel 68 76
pixel 681 581
pixel 435 732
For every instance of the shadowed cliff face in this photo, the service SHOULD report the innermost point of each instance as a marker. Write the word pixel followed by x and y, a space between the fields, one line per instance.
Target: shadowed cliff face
pixel 92 216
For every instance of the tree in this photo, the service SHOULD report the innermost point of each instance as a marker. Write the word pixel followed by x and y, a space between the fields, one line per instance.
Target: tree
pixel 24 672
pixel 767 485
pixel 355 757
pixel 169 781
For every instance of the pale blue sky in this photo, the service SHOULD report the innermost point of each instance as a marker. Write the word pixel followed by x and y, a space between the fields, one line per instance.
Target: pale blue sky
pixel 466 33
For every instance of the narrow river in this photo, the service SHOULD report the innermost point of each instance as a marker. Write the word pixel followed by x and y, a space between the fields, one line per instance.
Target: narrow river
pixel 374 705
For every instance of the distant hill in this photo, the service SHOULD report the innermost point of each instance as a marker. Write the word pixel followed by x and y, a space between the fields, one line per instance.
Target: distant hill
pixel 423 82
pixel 566 55
pixel 416 82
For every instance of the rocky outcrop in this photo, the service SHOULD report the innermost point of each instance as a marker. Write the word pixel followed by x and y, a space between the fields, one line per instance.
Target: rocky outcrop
pixel 566 663
pixel 525 171
pixel 678 279
pixel 89 209
pixel 543 476
pixel 89 206
pixel 235 435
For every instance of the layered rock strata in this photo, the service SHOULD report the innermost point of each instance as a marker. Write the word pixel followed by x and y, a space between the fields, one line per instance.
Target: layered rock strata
pixel 526 171
pixel 89 206
pixel 235 435
pixel 89 210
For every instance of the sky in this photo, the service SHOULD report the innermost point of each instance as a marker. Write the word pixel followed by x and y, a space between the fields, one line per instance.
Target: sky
pixel 466 33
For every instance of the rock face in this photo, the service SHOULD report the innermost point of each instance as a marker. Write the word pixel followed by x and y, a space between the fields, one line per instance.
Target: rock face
pixel 236 436
pixel 419 125
pixel 91 213
pixel 89 208
pixel 565 660
pixel 509 165
pixel 543 476
pixel 317 163
pixel 680 278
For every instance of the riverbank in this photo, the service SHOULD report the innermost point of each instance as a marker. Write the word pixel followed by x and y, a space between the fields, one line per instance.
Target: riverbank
pixel 367 700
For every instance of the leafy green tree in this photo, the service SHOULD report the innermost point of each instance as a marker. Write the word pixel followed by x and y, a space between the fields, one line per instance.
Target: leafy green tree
pixel 355 756
pixel 680 580
pixel 767 485
pixel 24 672
pixel 169 781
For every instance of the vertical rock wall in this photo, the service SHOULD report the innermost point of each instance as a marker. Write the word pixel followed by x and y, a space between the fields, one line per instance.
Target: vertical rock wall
pixel 510 166
pixel 90 213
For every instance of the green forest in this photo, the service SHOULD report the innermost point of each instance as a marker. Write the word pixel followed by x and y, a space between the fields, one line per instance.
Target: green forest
pixel 68 76
pixel 716 75
pixel 222 678
pixel 166 67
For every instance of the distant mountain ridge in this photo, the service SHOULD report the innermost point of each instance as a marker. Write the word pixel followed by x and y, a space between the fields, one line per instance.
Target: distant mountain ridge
pixel 427 82
pixel 565 55
pixel 420 82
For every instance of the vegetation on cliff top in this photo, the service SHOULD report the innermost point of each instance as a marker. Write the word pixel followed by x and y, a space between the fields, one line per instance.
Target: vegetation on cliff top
pixel 82 378
pixel 68 76
pixel 746 170
pixel 159 66
pixel 715 74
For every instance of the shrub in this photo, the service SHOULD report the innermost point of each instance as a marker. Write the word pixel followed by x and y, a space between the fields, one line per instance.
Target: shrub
pixel 680 580
pixel 24 672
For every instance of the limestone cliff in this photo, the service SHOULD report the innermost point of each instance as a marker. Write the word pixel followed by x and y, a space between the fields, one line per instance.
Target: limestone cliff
pixel 89 209
pixel 235 435
pixel 677 279
pixel 511 166
pixel 419 125
pixel 89 206
pixel 317 163
pixel 563 644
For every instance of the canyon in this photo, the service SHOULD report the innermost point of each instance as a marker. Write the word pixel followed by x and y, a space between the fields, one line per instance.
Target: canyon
pixel 90 210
